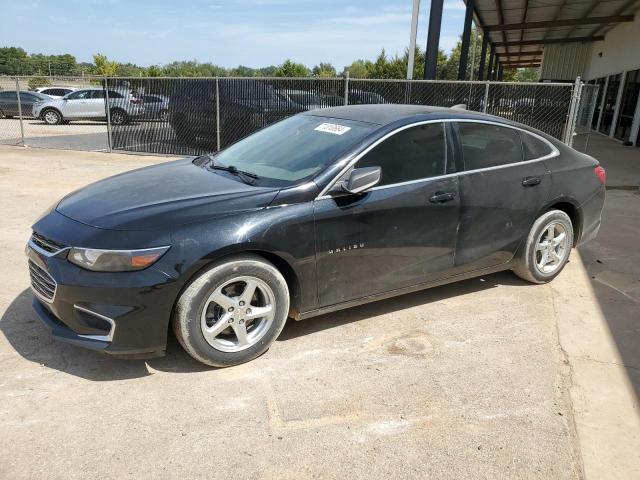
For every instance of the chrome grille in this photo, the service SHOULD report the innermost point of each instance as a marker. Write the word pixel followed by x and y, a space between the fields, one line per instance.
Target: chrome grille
pixel 42 284
pixel 45 243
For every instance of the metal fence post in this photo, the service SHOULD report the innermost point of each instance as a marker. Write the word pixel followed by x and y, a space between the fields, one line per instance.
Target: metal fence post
pixel 20 111
pixel 486 97
pixel 217 114
pixel 108 112
pixel 346 89
pixel 573 111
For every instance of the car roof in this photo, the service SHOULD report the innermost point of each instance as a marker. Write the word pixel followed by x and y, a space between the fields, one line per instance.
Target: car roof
pixel 383 114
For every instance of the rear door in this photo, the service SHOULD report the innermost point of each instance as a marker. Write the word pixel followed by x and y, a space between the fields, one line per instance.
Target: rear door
pixel 397 234
pixel 501 191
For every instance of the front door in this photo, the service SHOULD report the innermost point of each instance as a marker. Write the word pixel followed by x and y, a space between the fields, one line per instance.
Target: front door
pixel 397 234
pixel 77 104
pixel 502 189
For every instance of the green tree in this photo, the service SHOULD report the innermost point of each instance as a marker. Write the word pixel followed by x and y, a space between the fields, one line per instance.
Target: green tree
pixel 358 69
pixel 292 69
pixel 324 70
pixel 104 66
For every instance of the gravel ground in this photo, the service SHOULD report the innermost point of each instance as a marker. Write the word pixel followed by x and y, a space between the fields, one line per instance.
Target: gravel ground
pixel 461 381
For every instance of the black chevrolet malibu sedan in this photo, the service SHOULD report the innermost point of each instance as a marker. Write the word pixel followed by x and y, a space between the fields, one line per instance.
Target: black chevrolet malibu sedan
pixel 322 211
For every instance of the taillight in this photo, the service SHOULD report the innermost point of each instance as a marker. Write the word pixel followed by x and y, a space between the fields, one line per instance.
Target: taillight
pixel 601 174
pixel 135 101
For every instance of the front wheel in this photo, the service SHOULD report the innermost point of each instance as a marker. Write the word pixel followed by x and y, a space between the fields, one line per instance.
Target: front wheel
pixel 232 312
pixel 547 248
pixel 52 117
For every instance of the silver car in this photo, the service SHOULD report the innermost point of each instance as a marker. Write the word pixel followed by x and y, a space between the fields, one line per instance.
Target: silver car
pixel 89 104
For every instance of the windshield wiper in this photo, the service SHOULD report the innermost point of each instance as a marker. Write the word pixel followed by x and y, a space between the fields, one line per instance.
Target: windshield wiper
pixel 246 177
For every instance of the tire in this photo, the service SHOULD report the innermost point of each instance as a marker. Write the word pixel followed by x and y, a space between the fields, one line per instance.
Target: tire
pixel 119 117
pixel 51 117
pixel 532 265
pixel 210 313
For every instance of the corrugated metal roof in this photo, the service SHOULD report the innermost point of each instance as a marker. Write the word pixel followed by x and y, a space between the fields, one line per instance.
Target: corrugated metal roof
pixel 509 23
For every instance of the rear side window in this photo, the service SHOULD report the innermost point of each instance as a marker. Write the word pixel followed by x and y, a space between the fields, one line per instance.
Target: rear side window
pixel 534 147
pixel 487 145
pixel 412 154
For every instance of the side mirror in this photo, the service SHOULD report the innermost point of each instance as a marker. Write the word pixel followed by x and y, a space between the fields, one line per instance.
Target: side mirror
pixel 362 179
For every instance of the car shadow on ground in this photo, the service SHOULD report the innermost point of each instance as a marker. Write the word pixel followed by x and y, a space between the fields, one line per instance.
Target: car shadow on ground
pixel 30 338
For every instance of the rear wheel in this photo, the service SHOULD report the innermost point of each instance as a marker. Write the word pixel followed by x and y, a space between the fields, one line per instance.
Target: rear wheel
pixel 52 117
pixel 118 117
pixel 232 312
pixel 547 248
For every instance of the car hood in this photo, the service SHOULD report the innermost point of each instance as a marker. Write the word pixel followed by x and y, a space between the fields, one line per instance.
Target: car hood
pixel 162 196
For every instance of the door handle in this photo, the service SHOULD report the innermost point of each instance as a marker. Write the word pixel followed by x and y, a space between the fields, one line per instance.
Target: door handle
pixel 441 197
pixel 531 181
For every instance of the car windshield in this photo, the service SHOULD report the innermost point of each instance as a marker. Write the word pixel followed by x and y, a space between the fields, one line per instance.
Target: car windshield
pixel 293 150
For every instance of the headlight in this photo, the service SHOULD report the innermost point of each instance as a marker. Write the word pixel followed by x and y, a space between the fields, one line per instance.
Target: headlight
pixel 115 260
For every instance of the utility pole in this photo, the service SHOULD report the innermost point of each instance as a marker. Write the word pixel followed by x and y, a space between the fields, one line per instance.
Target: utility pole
pixel 50 69
pixel 412 38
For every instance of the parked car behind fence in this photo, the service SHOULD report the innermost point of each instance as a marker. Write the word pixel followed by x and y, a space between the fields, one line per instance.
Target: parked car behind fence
pixel 9 103
pixel 89 104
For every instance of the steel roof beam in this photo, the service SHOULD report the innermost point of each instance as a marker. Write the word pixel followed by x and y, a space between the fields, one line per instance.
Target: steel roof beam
pixel 560 23
pixel 547 41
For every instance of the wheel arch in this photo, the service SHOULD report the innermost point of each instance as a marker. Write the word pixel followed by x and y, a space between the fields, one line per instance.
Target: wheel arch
pixel 46 109
pixel 571 208
pixel 283 265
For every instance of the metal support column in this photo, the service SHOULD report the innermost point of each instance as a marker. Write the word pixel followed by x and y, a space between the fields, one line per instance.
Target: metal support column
pixel 466 38
pixel 483 56
pixel 433 39
pixel 412 39
pixel 635 124
pixel 500 72
pixel 602 101
pixel 20 111
pixel 616 110
pixel 492 57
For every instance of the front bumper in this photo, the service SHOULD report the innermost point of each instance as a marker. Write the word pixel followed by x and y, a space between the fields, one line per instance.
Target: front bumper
pixel 119 313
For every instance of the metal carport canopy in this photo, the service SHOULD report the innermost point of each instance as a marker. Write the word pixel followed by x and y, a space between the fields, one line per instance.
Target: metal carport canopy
pixel 520 29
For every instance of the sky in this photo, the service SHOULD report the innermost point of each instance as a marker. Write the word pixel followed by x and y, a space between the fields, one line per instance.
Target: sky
pixel 229 33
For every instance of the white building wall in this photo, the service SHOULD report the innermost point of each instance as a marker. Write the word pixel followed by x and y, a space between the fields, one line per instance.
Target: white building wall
pixel 620 51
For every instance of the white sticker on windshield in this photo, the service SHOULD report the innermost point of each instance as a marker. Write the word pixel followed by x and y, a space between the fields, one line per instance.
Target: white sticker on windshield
pixel 332 128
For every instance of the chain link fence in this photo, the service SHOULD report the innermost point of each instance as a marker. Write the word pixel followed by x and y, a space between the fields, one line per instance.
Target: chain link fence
pixel 185 116
pixel 586 107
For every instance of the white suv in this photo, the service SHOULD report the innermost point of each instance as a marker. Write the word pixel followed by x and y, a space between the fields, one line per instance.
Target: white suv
pixel 89 104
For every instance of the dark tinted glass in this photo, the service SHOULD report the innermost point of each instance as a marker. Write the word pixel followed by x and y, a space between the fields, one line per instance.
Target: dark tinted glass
pixel 533 147
pixel 8 95
pixel 79 94
pixel 489 145
pixel 113 94
pixel 294 149
pixel 412 154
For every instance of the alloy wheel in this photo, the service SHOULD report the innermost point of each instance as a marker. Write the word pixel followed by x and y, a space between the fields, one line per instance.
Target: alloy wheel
pixel 51 117
pixel 551 248
pixel 238 314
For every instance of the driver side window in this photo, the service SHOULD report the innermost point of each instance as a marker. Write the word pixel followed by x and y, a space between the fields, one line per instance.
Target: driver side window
pixel 80 94
pixel 411 154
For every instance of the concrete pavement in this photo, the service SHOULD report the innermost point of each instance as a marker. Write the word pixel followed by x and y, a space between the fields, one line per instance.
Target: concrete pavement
pixel 487 378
